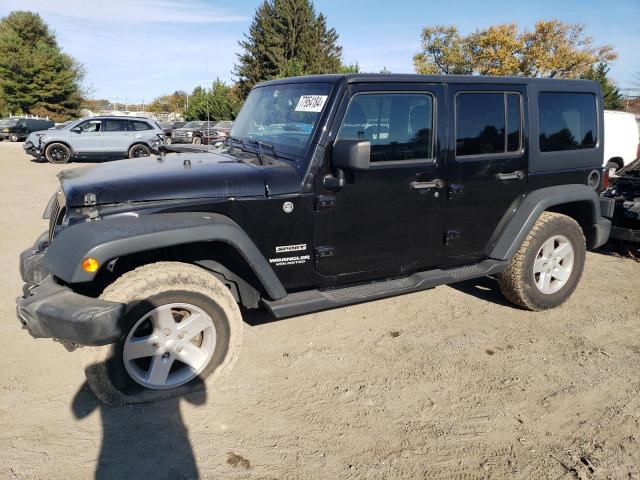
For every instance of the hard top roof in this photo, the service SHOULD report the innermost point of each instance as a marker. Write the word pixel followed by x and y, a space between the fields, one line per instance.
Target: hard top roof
pixel 415 78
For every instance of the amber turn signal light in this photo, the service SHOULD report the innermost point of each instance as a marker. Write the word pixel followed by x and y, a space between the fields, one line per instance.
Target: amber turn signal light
pixel 90 264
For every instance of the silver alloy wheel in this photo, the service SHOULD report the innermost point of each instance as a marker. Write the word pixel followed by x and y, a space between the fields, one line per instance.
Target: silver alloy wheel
pixel 58 153
pixel 140 151
pixel 553 264
pixel 197 140
pixel 169 346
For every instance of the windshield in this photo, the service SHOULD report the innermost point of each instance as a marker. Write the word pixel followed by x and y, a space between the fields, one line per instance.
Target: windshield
pixel 193 125
pixel 282 116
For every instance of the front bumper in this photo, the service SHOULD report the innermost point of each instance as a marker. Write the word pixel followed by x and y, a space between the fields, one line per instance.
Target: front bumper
pixel 602 230
pixel 31 149
pixel 625 234
pixel 48 309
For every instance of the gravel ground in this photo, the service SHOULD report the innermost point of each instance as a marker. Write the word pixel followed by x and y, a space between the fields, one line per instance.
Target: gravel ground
pixel 448 383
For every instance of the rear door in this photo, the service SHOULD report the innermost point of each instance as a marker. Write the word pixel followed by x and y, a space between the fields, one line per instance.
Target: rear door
pixel 117 136
pixel 387 220
pixel 89 140
pixel 487 168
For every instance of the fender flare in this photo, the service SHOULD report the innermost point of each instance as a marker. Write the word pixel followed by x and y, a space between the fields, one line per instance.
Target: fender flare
pixel 530 209
pixel 114 237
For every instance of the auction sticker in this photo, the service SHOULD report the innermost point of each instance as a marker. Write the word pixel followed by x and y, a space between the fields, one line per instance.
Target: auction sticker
pixel 311 103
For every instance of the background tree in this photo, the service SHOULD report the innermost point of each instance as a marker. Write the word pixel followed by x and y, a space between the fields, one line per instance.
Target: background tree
pixel 220 102
pixel 613 99
pixel 175 102
pixel 286 38
pixel 35 75
pixel 444 51
pixel 551 49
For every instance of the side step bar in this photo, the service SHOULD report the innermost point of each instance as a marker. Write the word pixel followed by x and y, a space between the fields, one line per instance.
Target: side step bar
pixel 315 300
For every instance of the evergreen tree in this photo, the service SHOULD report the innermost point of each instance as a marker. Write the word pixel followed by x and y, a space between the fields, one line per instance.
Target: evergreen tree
pixel 35 75
pixel 613 99
pixel 220 102
pixel 286 38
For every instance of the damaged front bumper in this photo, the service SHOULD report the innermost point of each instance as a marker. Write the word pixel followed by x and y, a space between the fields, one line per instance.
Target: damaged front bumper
pixel 48 309
pixel 32 149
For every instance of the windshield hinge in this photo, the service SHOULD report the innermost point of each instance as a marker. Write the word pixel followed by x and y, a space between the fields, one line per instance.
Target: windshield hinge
pixel 324 251
pixel 90 199
pixel 325 202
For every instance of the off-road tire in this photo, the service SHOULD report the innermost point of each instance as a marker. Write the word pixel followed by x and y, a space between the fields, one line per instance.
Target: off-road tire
pixel 50 153
pixel 135 151
pixel 197 140
pixel 517 281
pixel 13 137
pixel 143 289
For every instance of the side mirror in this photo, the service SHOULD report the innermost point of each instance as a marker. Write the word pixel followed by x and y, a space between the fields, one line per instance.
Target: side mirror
pixel 76 130
pixel 351 154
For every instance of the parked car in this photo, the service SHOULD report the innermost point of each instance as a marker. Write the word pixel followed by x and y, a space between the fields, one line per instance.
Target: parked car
pixel 191 132
pixel 97 137
pixel 16 129
pixel 331 190
pixel 625 211
pixel 218 133
pixel 621 140
pixel 169 128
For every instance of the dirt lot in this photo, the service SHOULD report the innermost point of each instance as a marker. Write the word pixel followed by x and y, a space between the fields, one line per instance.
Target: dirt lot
pixel 448 383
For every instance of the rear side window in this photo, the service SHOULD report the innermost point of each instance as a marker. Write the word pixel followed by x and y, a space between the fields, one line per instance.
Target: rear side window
pixel 488 123
pixel 398 125
pixel 567 121
pixel 139 125
pixel 115 125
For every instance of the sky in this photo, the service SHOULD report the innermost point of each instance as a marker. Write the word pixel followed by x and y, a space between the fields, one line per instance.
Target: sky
pixel 140 49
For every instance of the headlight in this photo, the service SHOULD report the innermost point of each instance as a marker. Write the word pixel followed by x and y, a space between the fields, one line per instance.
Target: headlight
pixel 189 134
pixel 6 130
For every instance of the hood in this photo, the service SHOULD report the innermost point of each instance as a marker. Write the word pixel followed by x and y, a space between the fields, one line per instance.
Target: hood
pixel 175 177
pixel 182 129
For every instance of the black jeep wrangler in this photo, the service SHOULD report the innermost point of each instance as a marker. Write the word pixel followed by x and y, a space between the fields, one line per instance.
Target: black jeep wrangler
pixel 329 191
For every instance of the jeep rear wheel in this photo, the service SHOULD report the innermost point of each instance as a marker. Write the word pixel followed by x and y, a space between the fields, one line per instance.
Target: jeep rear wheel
pixel 57 153
pixel 182 325
pixel 547 268
pixel 139 150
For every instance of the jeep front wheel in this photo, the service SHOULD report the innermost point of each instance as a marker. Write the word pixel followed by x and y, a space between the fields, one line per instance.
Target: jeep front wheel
pixel 548 265
pixel 182 326
pixel 197 140
pixel 57 153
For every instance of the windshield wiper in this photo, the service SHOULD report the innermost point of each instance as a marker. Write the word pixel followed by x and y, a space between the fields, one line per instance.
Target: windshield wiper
pixel 262 145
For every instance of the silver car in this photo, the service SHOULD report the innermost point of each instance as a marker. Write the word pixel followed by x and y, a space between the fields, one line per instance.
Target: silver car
pixel 96 137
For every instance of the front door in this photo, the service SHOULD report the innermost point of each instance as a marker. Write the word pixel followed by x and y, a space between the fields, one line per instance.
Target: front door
pixel 487 169
pixel 89 140
pixel 387 220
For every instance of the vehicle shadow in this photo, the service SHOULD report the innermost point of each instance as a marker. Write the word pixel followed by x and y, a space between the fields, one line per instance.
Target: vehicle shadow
pixel 142 441
pixel 483 288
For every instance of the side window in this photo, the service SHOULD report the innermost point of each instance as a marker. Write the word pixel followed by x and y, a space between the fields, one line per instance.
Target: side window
pixel 398 125
pixel 139 125
pixel 115 125
pixel 90 126
pixel 567 121
pixel 488 123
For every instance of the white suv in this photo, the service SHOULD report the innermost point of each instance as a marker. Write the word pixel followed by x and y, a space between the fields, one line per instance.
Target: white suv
pixel 97 137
